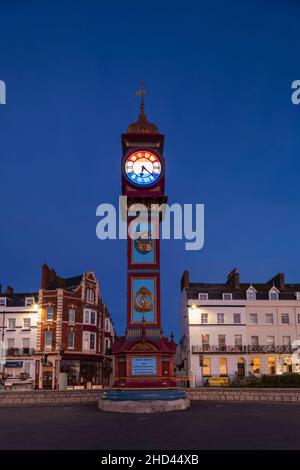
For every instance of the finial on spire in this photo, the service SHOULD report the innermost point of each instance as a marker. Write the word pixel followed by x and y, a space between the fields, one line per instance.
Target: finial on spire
pixel 142 126
pixel 142 92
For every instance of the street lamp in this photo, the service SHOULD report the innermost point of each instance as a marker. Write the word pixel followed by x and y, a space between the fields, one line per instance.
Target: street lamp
pixel 2 351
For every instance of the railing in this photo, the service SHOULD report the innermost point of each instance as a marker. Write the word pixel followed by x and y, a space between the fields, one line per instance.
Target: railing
pixel 279 349
pixel 15 352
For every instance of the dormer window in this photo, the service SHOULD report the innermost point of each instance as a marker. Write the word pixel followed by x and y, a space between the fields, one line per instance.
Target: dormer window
pixel 29 301
pixel 203 296
pixel 273 294
pixel 90 295
pixel 251 293
pixel 227 296
pixel 2 301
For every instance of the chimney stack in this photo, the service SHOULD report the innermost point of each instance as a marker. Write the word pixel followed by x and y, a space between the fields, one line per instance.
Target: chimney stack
pixel 233 278
pixel 278 281
pixel 185 282
pixel 9 290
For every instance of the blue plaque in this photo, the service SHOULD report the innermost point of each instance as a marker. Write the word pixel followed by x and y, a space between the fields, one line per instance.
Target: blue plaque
pixel 143 366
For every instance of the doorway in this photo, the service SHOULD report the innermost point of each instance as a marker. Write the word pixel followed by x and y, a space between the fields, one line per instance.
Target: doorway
pixel 241 367
pixel 47 380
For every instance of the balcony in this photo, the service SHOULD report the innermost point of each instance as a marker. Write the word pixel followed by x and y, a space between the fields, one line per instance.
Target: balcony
pixel 246 349
pixel 17 352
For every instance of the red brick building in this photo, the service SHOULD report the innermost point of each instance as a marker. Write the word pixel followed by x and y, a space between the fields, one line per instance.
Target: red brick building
pixel 70 341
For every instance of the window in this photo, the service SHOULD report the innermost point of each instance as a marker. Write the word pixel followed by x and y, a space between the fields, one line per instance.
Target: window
pixel 71 338
pixel 205 342
pixel 92 341
pixel 29 301
pixel 251 294
pixel 227 296
pixel 297 294
pixel 236 318
pixel 273 294
pixel 89 341
pixel 206 366
pixel 10 343
pixel 256 365
pixel 272 365
pixel 203 296
pixel 107 346
pixel 11 323
pixel 269 318
pixel 107 325
pixel 238 341
pixel 72 315
pixel 89 317
pixel 253 317
pixel 86 339
pixel 222 342
pixel 204 317
pixel 285 319
pixel 298 317
pixel 25 345
pixel 270 342
pixel 26 323
pixel 48 339
pixel 49 313
pixel 223 366
pixel 286 340
pixel 254 342
pixel 2 301
pixel 90 296
pixel 93 318
pixel 86 316
pixel 221 317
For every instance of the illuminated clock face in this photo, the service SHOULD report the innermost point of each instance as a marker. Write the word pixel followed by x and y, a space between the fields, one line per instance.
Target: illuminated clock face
pixel 143 168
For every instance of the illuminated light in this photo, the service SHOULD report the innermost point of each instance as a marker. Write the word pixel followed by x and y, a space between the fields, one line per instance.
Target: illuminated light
pixel 35 307
pixel 194 306
pixel 151 158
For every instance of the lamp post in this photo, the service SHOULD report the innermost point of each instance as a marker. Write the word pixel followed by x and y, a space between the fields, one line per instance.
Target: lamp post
pixel 2 352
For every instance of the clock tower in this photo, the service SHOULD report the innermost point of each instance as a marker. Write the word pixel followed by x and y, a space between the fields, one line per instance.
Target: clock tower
pixel 144 357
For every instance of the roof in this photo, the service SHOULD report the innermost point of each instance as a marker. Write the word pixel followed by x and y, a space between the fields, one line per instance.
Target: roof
pixel 239 290
pixel 72 282
pixel 17 299
pixel 215 291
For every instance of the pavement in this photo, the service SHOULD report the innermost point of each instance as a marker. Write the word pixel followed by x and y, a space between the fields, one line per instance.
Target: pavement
pixel 205 425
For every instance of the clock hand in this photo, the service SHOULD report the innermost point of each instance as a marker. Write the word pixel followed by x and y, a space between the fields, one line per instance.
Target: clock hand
pixel 144 168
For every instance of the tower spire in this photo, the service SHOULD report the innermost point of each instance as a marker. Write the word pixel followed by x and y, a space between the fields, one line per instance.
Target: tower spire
pixel 142 126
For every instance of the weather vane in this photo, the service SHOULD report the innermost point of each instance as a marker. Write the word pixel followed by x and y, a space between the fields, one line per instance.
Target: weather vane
pixel 142 92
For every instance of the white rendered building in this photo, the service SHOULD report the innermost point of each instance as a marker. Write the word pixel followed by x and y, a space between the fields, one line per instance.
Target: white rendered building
pixel 18 329
pixel 238 329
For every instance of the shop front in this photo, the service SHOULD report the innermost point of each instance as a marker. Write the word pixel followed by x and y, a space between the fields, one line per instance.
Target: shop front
pixel 82 373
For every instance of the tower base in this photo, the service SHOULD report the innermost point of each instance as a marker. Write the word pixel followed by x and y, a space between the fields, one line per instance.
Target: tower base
pixel 143 401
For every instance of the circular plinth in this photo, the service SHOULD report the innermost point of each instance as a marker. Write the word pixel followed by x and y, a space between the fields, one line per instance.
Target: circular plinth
pixel 143 401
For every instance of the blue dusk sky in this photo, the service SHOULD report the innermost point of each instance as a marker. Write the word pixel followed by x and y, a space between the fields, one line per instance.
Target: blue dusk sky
pixel 219 75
